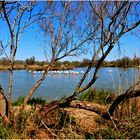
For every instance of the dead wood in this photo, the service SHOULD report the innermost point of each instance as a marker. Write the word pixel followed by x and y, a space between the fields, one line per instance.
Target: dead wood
pixel 133 91
pixel 98 109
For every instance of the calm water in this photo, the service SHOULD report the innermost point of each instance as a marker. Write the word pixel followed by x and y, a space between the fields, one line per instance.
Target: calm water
pixel 56 86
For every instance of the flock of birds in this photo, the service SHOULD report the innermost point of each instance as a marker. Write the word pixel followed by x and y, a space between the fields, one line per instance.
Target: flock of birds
pixel 59 72
pixel 63 72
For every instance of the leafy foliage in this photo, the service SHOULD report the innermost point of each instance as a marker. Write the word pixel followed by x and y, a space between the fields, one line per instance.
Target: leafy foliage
pixel 30 61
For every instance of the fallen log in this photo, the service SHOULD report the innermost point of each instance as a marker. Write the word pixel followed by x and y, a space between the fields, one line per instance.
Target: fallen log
pixel 98 109
pixel 94 107
pixel 133 91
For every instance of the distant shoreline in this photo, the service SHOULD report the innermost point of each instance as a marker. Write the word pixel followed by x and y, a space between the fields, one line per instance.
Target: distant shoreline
pixel 33 67
pixel 42 68
pixel 32 64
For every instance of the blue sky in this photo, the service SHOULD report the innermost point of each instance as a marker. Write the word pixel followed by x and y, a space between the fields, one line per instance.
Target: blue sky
pixel 31 45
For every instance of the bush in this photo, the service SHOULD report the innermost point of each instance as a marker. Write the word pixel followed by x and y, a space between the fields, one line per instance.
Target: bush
pixel 99 96
pixel 36 101
pixel 6 132
pixel 32 101
pixel 18 102
pixel 30 61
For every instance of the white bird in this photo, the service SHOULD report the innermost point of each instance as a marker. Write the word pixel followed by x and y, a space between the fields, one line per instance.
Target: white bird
pixel 66 72
pixel 82 72
pixel 76 72
pixel 34 71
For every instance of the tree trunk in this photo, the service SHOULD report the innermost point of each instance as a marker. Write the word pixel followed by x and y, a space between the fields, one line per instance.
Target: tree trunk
pixel 26 99
pixel 10 93
pixel 3 103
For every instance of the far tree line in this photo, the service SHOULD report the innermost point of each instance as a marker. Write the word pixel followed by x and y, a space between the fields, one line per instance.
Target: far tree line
pixel 123 62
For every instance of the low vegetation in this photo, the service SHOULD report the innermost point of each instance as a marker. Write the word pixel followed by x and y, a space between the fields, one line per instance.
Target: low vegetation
pixel 32 101
pixel 98 96
pixel 58 123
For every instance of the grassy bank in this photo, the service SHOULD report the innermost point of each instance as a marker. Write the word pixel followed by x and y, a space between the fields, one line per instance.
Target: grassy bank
pixel 73 123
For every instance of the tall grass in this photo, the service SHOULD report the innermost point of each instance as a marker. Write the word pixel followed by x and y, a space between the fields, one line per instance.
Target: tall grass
pixel 32 101
pixel 127 128
pixel 98 96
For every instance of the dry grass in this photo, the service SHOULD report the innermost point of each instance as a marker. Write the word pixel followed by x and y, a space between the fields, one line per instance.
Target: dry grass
pixel 72 123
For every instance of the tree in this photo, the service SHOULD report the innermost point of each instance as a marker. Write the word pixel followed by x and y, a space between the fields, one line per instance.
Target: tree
pixel 126 61
pixel 4 61
pixel 18 16
pixel 85 62
pixel 64 36
pixel 112 20
pixel 30 61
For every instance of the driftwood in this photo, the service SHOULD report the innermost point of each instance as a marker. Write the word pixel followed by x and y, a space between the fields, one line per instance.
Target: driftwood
pixel 99 109
pixel 133 91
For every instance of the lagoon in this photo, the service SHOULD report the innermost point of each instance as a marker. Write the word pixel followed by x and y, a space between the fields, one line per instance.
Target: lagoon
pixel 57 85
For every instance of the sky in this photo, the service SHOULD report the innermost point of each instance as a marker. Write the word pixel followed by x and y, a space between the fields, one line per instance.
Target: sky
pixel 31 45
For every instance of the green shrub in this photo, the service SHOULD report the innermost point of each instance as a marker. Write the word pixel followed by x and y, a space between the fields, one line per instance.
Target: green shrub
pixel 99 96
pixel 18 102
pixel 32 101
pixel 36 101
pixel 6 132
